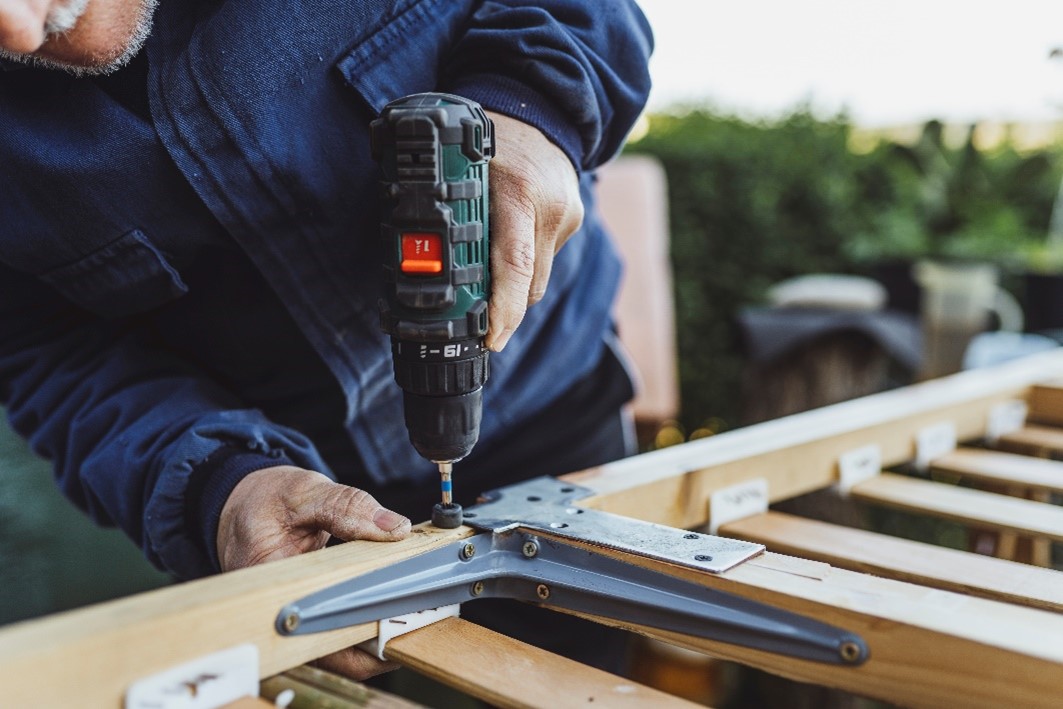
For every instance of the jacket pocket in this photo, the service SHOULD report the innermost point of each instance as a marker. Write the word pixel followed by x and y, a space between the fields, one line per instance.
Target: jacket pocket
pixel 125 277
pixel 405 55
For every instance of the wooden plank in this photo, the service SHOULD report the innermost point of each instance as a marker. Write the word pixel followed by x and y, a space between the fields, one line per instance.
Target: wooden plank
pixel 985 510
pixel 1042 441
pixel 315 688
pixel 100 650
pixel 903 559
pixel 1046 404
pixel 1008 468
pixel 928 647
pixel 508 673
pixel 799 454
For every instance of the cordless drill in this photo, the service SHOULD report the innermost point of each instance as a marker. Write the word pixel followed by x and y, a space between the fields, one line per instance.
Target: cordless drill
pixel 433 149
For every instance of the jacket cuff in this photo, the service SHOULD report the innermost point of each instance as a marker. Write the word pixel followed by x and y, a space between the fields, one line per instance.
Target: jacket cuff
pixel 210 485
pixel 510 97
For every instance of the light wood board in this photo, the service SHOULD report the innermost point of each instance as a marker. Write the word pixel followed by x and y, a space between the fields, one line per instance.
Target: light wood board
pixel 985 510
pixel 508 673
pixel 1046 404
pixel 903 559
pixel 1043 441
pixel 1003 468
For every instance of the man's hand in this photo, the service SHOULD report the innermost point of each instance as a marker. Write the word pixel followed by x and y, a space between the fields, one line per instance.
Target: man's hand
pixel 535 207
pixel 283 511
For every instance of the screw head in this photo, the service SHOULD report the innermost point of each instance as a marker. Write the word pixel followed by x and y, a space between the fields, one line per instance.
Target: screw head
pixel 542 591
pixel 691 536
pixel 477 588
pixel 530 549
pixel 850 651
pixel 468 551
pixel 702 557
pixel 291 622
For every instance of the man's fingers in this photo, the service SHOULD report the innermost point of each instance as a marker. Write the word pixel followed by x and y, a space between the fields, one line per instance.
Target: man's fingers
pixel 513 266
pixel 354 663
pixel 349 513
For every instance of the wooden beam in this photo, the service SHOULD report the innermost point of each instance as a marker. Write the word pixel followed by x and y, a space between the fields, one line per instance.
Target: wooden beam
pixel 508 673
pixel 985 510
pixel 1003 468
pixel 903 559
pixel 799 453
pixel 90 656
pixel 315 688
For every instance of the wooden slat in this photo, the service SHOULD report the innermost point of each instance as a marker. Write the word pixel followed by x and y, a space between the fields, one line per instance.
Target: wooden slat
pixel 928 647
pixel 985 510
pixel 1006 468
pixel 799 454
pixel 903 559
pixel 1046 404
pixel 319 689
pixel 1034 440
pixel 508 673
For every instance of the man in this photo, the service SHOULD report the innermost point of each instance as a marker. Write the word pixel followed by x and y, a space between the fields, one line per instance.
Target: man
pixel 190 265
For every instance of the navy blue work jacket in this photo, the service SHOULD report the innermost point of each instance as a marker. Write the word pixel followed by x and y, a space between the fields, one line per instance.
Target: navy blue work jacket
pixel 189 251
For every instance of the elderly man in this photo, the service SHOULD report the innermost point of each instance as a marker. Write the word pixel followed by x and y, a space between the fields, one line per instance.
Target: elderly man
pixel 190 260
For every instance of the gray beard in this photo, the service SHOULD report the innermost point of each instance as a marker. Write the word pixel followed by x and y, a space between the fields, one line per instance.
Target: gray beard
pixel 63 19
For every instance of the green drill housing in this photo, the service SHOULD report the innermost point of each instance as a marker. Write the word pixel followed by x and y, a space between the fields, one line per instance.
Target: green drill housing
pixel 434 151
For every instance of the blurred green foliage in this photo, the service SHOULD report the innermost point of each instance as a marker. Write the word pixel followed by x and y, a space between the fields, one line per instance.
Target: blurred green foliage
pixel 755 202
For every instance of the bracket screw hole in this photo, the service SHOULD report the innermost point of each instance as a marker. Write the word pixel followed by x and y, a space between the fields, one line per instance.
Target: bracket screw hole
pixel 534 498
pixel 568 489
pixel 470 515
pixel 702 557
pixel 530 549
pixel 291 622
pixel 468 551
pixel 477 588
pixel 542 591
pixel 685 536
pixel 558 525
pixel 850 651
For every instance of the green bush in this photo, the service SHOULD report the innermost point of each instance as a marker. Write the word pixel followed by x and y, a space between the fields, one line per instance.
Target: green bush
pixel 752 203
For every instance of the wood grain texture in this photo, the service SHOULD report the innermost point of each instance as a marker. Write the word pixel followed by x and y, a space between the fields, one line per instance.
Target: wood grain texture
pixel 1007 468
pixel 102 649
pixel 980 509
pixel 1046 404
pixel 929 648
pixel 508 673
pixel 903 559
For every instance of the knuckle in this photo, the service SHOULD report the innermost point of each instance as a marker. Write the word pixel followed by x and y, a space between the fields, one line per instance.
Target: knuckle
pixel 519 259
pixel 353 502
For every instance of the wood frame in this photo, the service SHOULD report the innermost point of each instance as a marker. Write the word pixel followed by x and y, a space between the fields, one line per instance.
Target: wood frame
pixel 928 646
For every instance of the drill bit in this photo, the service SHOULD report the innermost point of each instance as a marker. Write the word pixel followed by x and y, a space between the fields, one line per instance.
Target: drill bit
pixel 446 514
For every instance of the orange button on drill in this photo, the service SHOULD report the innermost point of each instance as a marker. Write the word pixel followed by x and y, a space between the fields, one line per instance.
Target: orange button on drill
pixel 422 253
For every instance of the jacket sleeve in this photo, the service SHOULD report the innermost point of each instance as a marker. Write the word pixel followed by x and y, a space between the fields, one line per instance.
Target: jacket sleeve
pixel 575 69
pixel 137 437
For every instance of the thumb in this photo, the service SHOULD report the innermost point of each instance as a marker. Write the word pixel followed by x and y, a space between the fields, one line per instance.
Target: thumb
pixel 348 513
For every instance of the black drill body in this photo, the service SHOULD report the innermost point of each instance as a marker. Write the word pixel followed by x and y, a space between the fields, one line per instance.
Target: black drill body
pixel 433 149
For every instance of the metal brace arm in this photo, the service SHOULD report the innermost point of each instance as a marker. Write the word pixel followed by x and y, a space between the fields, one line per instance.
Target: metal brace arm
pixel 516 565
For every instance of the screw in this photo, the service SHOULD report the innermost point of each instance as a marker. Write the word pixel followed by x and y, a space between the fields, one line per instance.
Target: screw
pixel 477 588
pixel 530 549
pixel 468 551
pixel 691 536
pixel 291 622
pixel 542 591
pixel 850 651
pixel 702 557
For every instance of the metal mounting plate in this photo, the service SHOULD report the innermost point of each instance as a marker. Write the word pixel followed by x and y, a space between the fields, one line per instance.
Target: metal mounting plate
pixel 547 504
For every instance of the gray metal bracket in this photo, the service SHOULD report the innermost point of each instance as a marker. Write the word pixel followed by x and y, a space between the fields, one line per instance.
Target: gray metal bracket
pixel 508 563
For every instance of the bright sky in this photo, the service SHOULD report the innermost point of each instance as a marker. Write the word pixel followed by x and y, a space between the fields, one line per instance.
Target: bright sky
pixel 888 62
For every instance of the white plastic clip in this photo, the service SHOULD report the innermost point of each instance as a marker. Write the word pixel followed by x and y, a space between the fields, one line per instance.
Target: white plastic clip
pixel 204 683
pixel 736 502
pixel 934 442
pixel 857 466
pixel 389 628
pixel 1004 418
